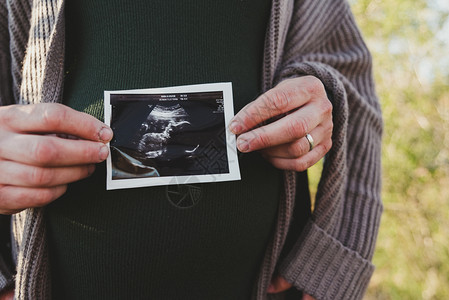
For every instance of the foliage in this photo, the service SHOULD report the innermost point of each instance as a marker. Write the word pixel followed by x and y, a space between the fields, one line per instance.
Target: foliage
pixel 412 256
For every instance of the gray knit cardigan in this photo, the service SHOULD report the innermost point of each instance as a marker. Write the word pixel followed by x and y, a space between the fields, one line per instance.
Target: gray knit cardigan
pixel 331 258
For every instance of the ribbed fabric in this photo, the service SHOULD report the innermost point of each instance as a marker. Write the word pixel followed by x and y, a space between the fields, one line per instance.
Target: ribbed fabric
pixel 5 252
pixel 6 96
pixel 221 240
pixel 19 14
pixel 338 240
pixel 135 244
pixel 304 37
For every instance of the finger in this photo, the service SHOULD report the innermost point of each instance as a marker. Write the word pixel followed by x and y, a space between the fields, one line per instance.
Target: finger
pixel 51 151
pixel 7 295
pixel 278 284
pixel 304 162
pixel 285 130
pixel 307 297
pixel 30 176
pixel 301 146
pixel 285 97
pixel 14 199
pixel 54 118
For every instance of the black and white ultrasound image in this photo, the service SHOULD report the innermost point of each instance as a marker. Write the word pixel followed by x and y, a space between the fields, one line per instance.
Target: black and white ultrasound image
pixel 168 135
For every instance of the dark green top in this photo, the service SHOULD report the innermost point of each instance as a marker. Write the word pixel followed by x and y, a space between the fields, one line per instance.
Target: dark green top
pixel 134 243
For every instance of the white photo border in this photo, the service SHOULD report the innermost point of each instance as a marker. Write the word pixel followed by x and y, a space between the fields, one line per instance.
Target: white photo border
pixel 234 169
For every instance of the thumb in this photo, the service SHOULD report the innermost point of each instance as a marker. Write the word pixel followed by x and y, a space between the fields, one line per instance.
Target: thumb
pixel 278 284
pixel 307 297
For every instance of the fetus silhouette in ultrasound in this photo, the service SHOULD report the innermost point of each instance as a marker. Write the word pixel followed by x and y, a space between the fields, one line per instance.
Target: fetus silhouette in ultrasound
pixel 156 149
pixel 157 130
pixel 160 138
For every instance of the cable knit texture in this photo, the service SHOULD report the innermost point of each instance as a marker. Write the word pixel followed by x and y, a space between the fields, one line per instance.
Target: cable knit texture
pixel 332 257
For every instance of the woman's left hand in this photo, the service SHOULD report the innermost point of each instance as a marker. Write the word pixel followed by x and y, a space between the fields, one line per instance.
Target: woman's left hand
pixel 277 122
pixel 278 284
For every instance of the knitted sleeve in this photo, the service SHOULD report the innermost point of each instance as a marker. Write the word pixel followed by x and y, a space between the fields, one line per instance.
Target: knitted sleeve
pixel 332 258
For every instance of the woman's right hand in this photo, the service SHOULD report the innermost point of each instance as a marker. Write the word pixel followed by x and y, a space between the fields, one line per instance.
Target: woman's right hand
pixel 36 164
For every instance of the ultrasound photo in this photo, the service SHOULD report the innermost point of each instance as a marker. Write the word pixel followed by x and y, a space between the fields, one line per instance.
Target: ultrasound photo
pixel 170 136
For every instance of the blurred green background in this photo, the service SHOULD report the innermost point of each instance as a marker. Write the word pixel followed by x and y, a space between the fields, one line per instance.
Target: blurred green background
pixel 409 40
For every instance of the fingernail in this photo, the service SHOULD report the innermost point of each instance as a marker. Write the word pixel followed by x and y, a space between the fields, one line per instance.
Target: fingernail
pixel 105 134
pixel 235 127
pixel 104 152
pixel 242 144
